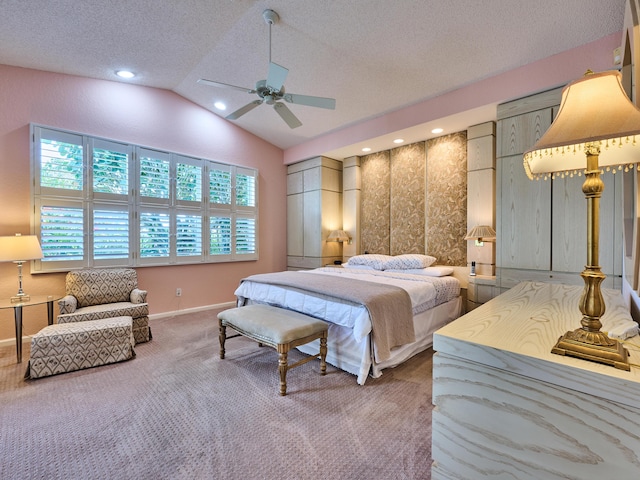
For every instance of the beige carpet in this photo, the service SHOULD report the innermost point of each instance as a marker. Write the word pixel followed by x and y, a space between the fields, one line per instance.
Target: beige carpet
pixel 176 411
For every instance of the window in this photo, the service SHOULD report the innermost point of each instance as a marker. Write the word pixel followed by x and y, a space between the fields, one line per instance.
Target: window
pixel 100 202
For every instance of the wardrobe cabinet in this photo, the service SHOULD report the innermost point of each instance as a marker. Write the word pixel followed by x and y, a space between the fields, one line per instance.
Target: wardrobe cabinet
pixel 542 224
pixel 314 209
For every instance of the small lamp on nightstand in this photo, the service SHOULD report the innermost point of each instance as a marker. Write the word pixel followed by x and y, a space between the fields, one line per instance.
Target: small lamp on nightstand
pixel 19 249
pixel 481 234
pixel 339 236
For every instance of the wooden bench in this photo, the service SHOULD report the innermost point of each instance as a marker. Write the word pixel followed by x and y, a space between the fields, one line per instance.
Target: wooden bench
pixel 278 328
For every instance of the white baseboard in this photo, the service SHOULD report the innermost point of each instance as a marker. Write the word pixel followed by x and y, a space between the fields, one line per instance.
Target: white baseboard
pixel 204 308
pixel 7 342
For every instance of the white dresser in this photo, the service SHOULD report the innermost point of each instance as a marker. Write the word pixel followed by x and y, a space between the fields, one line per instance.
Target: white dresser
pixel 507 408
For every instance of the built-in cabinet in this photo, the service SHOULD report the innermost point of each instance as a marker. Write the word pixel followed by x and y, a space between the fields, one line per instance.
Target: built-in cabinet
pixel 542 224
pixel 314 209
pixel 508 408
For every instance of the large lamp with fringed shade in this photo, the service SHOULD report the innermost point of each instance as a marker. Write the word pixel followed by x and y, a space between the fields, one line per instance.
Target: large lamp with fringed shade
pixel 597 128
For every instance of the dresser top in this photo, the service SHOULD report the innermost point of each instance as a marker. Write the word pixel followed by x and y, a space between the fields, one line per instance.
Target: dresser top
pixel 516 331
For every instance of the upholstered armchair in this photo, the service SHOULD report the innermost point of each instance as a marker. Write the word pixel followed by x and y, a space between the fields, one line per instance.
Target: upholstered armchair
pixel 95 293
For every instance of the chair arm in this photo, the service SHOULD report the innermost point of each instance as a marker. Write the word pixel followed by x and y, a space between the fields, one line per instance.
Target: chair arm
pixel 138 296
pixel 68 304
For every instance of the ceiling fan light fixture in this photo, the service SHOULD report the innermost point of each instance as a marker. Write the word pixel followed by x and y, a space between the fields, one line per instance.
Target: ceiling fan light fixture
pixel 271 90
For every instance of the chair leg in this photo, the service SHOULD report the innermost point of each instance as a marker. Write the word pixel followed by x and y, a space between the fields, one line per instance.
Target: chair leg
pixel 223 337
pixel 282 368
pixel 323 355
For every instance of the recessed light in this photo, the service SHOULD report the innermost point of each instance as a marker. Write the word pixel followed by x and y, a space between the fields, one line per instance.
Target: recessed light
pixel 220 106
pixel 366 149
pixel 437 130
pixel 399 140
pixel 125 74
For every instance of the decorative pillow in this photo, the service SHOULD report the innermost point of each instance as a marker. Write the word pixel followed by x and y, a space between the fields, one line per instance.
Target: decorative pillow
pixel 376 261
pixel 440 271
pixel 409 260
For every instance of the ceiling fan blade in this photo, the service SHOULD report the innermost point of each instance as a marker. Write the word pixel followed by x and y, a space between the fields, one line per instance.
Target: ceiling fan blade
pixel 241 111
pixel 287 115
pixel 276 76
pixel 322 102
pixel 211 83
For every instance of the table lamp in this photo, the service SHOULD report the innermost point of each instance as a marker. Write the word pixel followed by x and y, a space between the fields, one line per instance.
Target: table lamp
pixel 338 236
pixel 19 249
pixel 596 126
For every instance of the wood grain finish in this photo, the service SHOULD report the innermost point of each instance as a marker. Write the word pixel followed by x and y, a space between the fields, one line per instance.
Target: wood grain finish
pixel 524 237
pixel 506 407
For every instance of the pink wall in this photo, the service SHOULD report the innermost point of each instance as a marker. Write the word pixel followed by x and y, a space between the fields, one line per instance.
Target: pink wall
pixel 144 116
pixel 536 77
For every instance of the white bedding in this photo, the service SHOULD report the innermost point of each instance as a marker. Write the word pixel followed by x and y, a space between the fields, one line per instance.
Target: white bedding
pixel 353 319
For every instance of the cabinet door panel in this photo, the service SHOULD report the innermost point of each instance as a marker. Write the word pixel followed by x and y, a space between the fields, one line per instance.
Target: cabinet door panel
pixel 295 225
pixel 525 223
pixel 569 225
pixel 518 134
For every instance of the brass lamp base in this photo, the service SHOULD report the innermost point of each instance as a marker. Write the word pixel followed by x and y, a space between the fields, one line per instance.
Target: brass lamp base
pixel 597 348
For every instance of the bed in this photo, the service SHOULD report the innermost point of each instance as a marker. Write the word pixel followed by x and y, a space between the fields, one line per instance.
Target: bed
pixel 378 316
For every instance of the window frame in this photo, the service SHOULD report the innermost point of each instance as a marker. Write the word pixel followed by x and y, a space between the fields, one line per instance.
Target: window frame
pixel 136 204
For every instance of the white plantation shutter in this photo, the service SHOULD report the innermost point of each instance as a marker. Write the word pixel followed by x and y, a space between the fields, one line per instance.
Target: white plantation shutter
pixel 59 168
pixel 60 227
pixel 245 188
pixel 188 181
pixel 155 229
pixel 245 236
pixel 110 235
pixel 220 184
pixel 220 235
pixel 188 235
pixel 110 168
pixel 154 177
pixel 99 202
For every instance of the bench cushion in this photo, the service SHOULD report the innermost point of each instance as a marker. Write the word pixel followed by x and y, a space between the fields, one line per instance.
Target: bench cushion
pixel 272 324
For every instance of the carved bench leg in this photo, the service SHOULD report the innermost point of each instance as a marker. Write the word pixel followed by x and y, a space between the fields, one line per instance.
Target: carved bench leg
pixel 223 337
pixel 323 355
pixel 282 368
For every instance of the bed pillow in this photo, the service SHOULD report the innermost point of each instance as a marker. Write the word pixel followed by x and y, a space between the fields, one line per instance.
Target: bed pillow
pixel 376 261
pixel 359 267
pixel 409 261
pixel 440 271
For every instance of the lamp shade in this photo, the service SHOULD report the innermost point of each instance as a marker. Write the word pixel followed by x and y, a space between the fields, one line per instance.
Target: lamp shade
pixel 594 109
pixel 338 236
pixel 19 248
pixel 483 233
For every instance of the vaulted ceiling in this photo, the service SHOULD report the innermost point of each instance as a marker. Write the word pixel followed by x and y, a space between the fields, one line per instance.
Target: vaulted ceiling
pixel 372 56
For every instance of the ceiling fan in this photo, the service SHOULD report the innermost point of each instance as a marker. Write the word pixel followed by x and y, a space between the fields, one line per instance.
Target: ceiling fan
pixel 271 91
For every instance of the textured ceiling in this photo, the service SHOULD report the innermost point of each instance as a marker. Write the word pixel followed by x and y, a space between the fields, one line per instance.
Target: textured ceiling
pixel 372 56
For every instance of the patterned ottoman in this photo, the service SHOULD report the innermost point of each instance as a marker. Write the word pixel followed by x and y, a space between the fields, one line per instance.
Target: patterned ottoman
pixel 65 347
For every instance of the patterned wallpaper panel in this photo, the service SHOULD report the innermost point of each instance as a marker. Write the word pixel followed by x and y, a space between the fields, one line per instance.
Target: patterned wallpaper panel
pixel 408 165
pixel 400 185
pixel 447 198
pixel 375 195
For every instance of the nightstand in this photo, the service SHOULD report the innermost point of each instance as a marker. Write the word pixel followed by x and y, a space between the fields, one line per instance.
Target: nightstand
pixel 480 289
